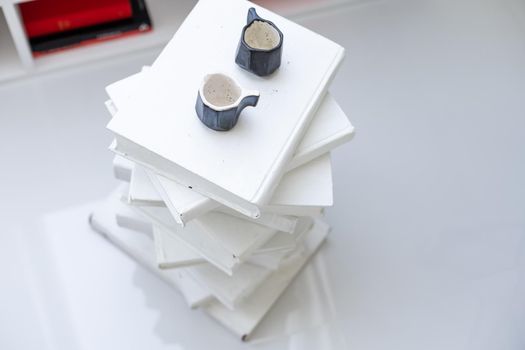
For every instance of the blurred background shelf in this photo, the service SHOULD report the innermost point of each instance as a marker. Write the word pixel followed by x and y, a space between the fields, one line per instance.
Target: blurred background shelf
pixel 16 58
pixel 166 15
pixel 10 64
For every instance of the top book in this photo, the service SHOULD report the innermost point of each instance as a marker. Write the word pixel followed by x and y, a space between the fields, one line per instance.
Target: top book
pixel 239 168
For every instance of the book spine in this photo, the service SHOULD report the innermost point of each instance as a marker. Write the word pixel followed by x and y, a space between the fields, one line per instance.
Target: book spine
pixel 266 190
pixel 181 175
pixel 76 20
pixel 321 148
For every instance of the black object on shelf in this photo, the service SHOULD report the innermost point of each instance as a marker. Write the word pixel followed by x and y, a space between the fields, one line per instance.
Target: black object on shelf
pixel 139 22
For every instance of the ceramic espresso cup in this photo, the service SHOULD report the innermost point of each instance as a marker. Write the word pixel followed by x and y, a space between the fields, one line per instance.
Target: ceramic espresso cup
pixel 260 47
pixel 221 100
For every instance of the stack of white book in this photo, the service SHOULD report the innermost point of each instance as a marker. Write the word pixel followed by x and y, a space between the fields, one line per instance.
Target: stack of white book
pixel 227 218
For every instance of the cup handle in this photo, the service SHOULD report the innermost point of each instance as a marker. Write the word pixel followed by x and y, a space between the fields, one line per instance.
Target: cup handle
pixel 249 98
pixel 252 16
pixel 246 92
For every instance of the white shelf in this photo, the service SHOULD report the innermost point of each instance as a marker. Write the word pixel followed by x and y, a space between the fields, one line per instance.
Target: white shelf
pixel 166 15
pixel 10 64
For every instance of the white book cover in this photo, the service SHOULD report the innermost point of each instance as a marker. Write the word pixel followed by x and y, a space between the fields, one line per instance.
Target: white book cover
pixel 268 261
pixel 141 248
pixel 302 190
pixel 328 129
pixel 140 190
pixel 125 168
pixel 174 252
pixel 177 197
pixel 243 320
pixel 309 185
pixel 230 290
pixel 242 167
pixel 272 250
pixel 198 284
pixel 172 255
pixel 131 220
pixel 226 245
pixel 223 243
pixel 122 168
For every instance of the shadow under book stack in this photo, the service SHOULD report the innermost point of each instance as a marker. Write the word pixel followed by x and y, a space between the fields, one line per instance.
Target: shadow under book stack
pixel 227 218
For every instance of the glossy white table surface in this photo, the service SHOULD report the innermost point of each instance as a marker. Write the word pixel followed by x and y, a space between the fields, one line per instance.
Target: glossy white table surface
pixel 428 245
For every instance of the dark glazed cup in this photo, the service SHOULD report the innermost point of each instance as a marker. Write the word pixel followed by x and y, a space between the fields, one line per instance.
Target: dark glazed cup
pixel 261 46
pixel 221 100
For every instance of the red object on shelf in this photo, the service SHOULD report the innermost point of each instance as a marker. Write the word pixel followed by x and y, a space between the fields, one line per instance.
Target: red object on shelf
pixel 89 42
pixel 44 17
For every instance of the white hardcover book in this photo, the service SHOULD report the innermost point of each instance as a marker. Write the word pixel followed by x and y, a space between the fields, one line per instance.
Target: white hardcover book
pixel 140 247
pixel 173 252
pixel 140 190
pixel 268 261
pixel 298 210
pixel 244 319
pixel 230 290
pixel 223 243
pixel 309 185
pixel 302 190
pixel 125 169
pixel 124 90
pixel 172 255
pixel 122 167
pixel 134 222
pixel 111 107
pixel 182 202
pixel 328 129
pixel 175 197
pixel 242 167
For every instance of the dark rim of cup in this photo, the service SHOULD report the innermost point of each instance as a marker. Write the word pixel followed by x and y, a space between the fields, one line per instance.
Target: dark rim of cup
pixel 281 36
